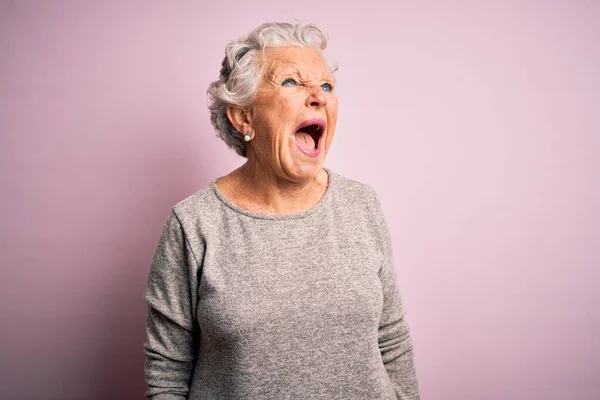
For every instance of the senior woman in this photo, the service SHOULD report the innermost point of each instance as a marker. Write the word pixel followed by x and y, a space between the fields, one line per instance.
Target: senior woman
pixel 276 281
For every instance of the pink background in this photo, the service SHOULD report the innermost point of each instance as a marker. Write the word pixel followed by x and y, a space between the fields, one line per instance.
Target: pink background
pixel 477 122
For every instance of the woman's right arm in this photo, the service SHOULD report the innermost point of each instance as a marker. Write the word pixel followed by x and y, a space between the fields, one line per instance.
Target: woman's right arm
pixel 171 327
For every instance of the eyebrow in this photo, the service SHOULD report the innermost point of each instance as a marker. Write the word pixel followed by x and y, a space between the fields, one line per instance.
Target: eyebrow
pixel 292 69
pixel 285 70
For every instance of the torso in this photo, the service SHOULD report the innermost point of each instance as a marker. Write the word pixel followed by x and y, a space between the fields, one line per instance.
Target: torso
pixel 288 306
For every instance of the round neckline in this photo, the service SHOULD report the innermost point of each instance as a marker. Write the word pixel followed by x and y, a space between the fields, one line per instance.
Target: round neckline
pixel 320 204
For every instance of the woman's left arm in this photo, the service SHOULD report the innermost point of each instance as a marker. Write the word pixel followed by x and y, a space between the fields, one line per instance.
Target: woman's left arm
pixel 395 342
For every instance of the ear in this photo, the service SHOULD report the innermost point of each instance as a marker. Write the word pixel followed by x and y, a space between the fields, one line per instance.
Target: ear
pixel 239 118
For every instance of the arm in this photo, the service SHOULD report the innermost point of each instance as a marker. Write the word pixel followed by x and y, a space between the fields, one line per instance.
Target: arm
pixel 394 339
pixel 170 325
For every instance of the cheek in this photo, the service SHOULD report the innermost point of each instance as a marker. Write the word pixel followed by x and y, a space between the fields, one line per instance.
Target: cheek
pixel 278 110
pixel 273 122
pixel 284 115
pixel 332 111
pixel 290 105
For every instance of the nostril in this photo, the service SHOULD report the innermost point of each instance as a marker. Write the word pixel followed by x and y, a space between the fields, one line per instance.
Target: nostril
pixel 317 99
pixel 318 102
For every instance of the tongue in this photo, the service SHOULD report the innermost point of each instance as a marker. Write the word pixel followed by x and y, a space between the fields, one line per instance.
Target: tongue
pixel 305 140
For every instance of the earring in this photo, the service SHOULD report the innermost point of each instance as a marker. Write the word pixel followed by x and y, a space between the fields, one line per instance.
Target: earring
pixel 248 136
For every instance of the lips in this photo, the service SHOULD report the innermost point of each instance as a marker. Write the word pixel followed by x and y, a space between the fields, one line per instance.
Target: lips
pixel 308 136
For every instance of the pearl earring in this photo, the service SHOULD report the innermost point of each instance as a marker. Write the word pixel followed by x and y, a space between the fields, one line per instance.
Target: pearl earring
pixel 248 136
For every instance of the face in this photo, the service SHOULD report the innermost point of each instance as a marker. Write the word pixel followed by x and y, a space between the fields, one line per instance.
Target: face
pixel 294 114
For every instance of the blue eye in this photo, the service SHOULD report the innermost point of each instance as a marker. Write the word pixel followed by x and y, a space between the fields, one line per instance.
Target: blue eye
pixel 289 82
pixel 327 87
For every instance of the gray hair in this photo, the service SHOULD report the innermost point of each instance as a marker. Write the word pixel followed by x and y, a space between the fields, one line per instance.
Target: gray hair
pixel 241 72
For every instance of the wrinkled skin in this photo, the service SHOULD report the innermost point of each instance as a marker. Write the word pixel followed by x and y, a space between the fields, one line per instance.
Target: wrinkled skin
pixel 296 85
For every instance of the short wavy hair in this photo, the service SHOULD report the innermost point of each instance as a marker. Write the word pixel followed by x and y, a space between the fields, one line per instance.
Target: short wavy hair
pixel 241 72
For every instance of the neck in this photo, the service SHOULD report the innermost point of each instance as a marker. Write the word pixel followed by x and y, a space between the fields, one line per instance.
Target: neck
pixel 262 189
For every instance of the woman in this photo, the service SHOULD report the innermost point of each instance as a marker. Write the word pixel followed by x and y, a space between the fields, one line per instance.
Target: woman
pixel 276 281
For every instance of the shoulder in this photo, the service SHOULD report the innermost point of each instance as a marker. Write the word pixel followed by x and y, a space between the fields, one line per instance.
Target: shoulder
pixel 197 215
pixel 354 192
pixel 359 202
pixel 201 204
pixel 360 208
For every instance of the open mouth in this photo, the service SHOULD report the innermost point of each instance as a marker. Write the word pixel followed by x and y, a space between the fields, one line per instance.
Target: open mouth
pixel 309 133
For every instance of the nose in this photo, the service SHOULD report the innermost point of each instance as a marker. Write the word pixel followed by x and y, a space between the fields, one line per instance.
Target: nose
pixel 316 98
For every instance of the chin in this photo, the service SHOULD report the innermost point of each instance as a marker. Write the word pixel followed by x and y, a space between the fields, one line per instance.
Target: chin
pixel 304 171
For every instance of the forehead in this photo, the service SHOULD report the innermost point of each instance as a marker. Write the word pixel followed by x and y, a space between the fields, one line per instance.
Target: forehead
pixel 304 60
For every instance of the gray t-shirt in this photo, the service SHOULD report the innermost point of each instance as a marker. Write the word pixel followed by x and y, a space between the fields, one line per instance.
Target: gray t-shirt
pixel 254 306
